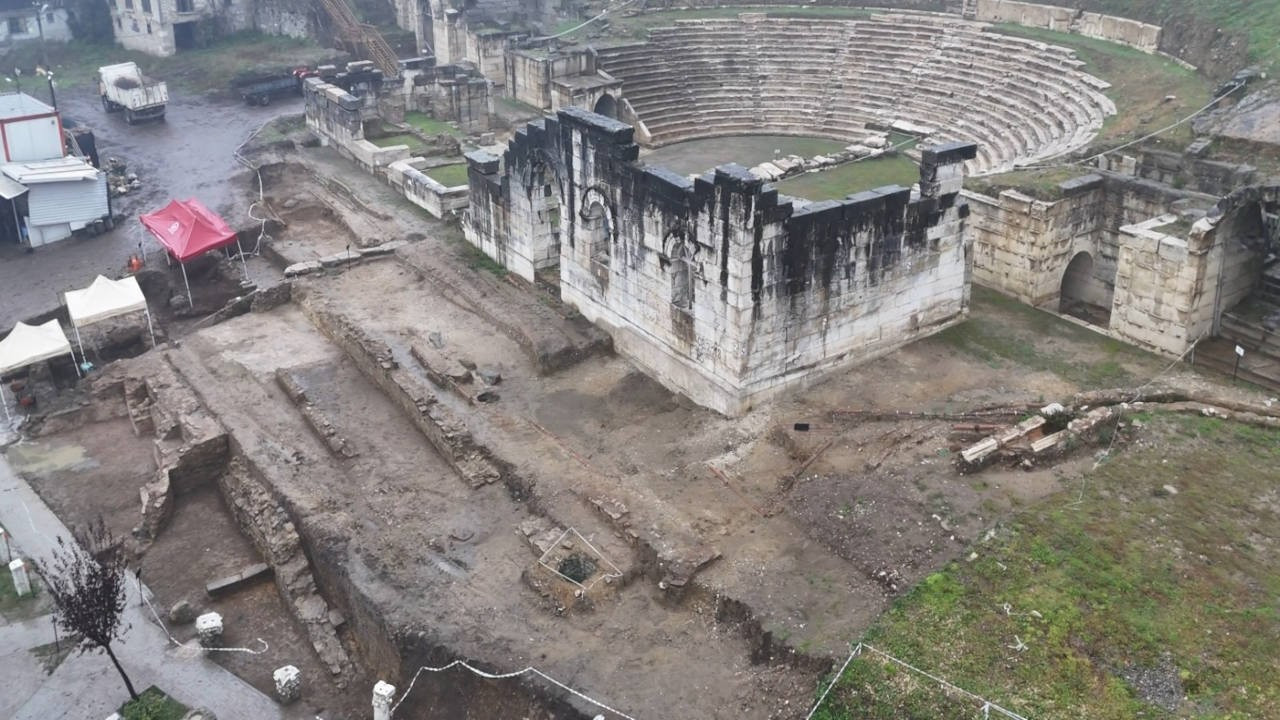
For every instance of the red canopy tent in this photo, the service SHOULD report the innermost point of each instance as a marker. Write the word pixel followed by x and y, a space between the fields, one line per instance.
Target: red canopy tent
pixel 187 229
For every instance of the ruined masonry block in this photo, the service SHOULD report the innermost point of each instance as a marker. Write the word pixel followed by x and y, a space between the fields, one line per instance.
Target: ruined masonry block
pixel 21 583
pixel 302 268
pixel 383 695
pixel 209 628
pixel 288 681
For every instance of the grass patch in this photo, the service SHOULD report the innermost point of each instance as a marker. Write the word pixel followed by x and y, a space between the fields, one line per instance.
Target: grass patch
pixel 9 601
pixel 428 125
pixel 449 175
pixel 1039 184
pixel 1139 85
pixel 1129 578
pixel 205 69
pixel 696 156
pixel 153 705
pixel 1006 333
pixel 399 139
pixel 837 182
pixel 475 258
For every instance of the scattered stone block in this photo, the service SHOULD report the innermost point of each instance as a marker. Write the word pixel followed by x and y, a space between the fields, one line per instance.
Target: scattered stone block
pixel 21 583
pixel 384 694
pixel 1048 442
pixel 209 628
pixel 182 613
pixel 980 451
pixel 385 248
pixel 200 714
pixel 225 585
pixel 302 268
pixel 341 258
pixel 288 681
pixel 489 376
pixel 1052 409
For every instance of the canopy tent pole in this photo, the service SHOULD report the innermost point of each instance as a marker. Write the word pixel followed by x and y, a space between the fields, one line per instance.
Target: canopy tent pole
pixel 76 364
pixel 5 402
pixel 243 264
pixel 150 329
pixel 190 301
pixel 79 342
pixel 17 224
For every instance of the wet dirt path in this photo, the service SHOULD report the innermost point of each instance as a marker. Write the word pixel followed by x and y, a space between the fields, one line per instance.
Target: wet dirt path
pixel 191 154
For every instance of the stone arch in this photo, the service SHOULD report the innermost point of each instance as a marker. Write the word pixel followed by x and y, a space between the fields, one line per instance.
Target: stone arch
pixel 681 260
pixel 1082 294
pixel 598 224
pixel 607 105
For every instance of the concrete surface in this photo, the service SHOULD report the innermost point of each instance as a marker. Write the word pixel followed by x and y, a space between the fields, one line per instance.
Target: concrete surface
pixel 88 686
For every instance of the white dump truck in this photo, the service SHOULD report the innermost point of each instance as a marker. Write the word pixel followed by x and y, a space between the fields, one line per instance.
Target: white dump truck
pixel 124 87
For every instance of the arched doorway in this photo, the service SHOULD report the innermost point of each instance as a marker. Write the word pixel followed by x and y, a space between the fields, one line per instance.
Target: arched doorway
pixel 607 105
pixel 1082 294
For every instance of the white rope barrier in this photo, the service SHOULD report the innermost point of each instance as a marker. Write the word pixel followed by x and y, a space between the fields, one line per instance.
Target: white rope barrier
pixel 506 676
pixel 986 706
pixel 188 646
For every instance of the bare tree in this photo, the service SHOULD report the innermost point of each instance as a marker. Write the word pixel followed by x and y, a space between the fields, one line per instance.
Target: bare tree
pixel 86 578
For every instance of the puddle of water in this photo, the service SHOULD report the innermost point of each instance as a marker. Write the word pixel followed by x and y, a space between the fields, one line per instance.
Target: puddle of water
pixel 49 458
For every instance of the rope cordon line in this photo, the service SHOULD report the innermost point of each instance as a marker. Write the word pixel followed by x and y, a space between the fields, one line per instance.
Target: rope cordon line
pixel 986 706
pixel 506 676
pixel 142 594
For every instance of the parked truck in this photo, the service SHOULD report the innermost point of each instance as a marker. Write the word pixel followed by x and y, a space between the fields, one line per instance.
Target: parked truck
pixel 125 88
pixel 260 87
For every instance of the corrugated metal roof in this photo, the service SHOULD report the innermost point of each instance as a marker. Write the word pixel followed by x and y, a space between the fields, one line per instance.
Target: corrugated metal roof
pixel 47 171
pixel 10 189
pixel 17 104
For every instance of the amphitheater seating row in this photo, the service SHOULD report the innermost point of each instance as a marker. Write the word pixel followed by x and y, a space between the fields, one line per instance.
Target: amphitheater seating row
pixel 1021 100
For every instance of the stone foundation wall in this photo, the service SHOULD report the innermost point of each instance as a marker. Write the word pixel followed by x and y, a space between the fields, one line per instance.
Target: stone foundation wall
pixel 1023 245
pixel 424 191
pixel 1140 35
pixel 335 117
pixel 716 287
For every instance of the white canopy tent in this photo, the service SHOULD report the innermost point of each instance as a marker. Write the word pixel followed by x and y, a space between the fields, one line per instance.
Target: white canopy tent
pixel 106 298
pixel 30 344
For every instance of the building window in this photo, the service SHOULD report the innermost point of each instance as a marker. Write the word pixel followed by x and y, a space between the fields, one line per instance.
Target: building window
pixel 48 18
pixel 146 6
pixel 17 26
pixel 128 4
pixel 186 6
pixel 134 24
pixel 148 27
pixel 119 24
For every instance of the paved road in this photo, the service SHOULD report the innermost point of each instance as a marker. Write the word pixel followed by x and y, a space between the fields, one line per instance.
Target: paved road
pixel 88 686
pixel 189 155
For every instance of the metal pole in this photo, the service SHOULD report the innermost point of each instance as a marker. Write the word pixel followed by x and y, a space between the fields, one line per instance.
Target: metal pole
pixel 44 51
pixel 57 649
pixel 73 362
pixel 8 418
pixel 79 342
pixel 150 329
pixel 243 264
pixel 190 301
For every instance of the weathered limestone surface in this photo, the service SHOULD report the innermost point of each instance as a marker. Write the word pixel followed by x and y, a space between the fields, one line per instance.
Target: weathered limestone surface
pixel 1172 291
pixel 1023 245
pixel 717 287
pixel 935 76
pixel 1140 35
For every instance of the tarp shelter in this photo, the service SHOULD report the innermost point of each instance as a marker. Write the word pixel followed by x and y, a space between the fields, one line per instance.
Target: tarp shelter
pixel 30 344
pixel 188 229
pixel 106 298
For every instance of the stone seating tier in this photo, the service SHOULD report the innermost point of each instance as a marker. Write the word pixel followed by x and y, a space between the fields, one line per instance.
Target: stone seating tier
pixel 1019 99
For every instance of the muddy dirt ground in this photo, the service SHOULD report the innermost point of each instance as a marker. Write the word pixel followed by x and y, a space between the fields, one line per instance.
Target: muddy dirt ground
pixel 750 551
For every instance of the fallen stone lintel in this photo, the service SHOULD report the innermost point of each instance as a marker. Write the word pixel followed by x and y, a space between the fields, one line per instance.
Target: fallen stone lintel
pixel 226 585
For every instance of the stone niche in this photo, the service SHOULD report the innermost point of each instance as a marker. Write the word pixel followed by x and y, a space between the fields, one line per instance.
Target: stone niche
pixel 716 286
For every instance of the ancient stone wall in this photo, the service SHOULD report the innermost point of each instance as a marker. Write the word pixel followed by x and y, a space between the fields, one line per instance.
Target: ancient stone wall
pixel 1023 245
pixel 424 191
pixel 531 75
pixel 716 287
pixel 1140 35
